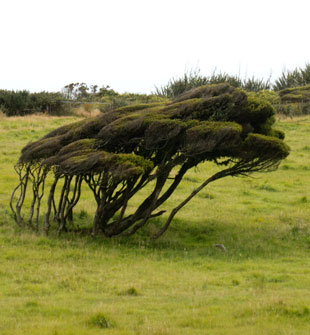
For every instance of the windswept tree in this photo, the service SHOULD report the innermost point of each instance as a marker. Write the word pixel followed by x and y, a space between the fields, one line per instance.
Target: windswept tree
pixel 149 146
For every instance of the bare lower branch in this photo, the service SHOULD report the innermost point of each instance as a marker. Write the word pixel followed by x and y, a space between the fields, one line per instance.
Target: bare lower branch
pixel 49 206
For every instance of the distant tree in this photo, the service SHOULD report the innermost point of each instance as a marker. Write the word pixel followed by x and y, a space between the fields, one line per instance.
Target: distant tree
pixel 68 91
pixel 107 91
pixel 77 91
pixel 93 89
pixel 14 102
pixel 23 102
pixel 82 91
pixel 118 153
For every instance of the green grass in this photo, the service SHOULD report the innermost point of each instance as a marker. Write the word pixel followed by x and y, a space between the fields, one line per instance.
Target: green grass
pixel 179 284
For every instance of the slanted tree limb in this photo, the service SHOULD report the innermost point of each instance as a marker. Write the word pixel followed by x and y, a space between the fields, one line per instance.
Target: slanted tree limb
pixel 40 194
pixel 75 196
pixel 240 168
pixel 23 188
pixel 64 204
pixel 49 205
pixel 183 203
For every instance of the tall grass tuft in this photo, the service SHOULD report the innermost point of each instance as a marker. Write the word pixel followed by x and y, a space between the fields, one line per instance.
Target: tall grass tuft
pixel 193 79
pixel 297 77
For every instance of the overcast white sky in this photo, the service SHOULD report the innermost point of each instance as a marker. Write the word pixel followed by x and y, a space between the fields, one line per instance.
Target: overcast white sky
pixel 133 45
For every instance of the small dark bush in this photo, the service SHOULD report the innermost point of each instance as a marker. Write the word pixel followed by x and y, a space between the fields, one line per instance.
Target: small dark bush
pixel 99 320
pixel 131 291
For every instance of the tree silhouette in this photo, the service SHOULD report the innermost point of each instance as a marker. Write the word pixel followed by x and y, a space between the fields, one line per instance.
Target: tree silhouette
pixel 120 152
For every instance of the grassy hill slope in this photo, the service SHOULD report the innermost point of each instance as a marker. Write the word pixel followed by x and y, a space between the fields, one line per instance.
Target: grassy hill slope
pixel 179 284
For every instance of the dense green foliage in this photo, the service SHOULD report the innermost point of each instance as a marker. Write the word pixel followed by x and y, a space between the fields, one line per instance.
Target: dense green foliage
pixel 14 103
pixel 118 153
pixel 297 94
pixel 294 101
pixel 271 96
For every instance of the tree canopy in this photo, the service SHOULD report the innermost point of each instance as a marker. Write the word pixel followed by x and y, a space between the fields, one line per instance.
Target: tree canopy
pixel 120 152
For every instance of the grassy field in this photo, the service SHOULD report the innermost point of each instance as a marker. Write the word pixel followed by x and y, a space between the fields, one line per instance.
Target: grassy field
pixel 179 284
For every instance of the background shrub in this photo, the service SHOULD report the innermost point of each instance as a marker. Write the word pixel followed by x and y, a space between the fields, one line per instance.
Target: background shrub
pixel 297 77
pixel 193 79
pixel 14 103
